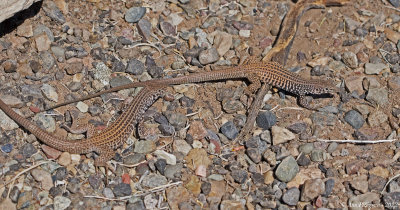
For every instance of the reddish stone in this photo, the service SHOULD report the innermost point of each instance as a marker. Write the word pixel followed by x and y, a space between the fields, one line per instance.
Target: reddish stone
pixel 265 42
pixel 318 202
pixel 126 179
pixel 354 167
pixel 34 109
pixel 50 152
pixel 217 146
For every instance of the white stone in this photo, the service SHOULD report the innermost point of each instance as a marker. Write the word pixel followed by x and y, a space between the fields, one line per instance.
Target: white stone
pixel 281 135
pixel 170 158
pixel 9 7
pixel 82 107
pixel 7 123
pixel 244 33
pixel 49 92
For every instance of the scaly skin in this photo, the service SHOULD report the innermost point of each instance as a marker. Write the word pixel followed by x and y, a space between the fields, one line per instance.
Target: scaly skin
pixel 256 72
pixel 103 143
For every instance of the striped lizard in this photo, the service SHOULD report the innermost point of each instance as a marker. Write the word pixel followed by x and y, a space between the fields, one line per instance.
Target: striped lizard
pixel 103 143
pixel 256 72
pixel 113 136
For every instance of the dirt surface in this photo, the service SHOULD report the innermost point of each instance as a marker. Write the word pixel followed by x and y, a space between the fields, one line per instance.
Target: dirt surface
pixel 61 50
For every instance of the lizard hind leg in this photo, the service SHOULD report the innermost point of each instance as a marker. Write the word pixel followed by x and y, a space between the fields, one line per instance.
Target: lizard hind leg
pixel 255 84
pixel 79 125
pixel 106 154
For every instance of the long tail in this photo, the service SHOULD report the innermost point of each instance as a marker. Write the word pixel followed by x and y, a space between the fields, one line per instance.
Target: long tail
pixel 229 73
pixel 47 138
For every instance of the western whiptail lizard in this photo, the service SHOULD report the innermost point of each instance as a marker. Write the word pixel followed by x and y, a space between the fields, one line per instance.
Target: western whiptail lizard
pixel 103 143
pixel 256 72
pixel 112 137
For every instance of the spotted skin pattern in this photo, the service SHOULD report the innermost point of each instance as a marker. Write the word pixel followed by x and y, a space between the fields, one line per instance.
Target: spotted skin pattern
pixel 256 72
pixel 113 136
pixel 103 143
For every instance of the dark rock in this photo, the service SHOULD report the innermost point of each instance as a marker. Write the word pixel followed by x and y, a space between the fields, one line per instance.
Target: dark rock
pixel 376 183
pixel 53 12
pixel 155 71
pixel 168 29
pixel 94 110
pixel 354 118
pixel 73 185
pixel 28 150
pixel 391 200
pixel 95 181
pixel 134 14
pixel 393 58
pixel 14 194
pixel 254 154
pixel 144 28
pixel 329 184
pixel 298 127
pixel 239 176
pixel 138 205
pixel 349 42
pixel 229 130
pixel 134 159
pixel 291 196
pixel 205 188
pixel 7 148
pixel 160 165
pixel 61 173
pixel 361 32
pixel 186 101
pixel 166 130
pixel 122 189
pixel 124 41
pixel 301 56
pixel 319 70
pixel 303 160
pixel 258 178
pixel 118 66
pixel 395 3
pixel 56 191
pixel 266 120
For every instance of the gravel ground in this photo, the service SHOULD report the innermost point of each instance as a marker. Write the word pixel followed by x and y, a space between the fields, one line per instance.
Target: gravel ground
pixel 60 50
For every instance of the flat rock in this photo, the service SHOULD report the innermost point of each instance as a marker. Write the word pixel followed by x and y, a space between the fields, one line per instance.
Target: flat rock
pixel 378 96
pixel 170 158
pixel 287 169
pixel 9 7
pixel 311 189
pixel 281 135
pixel 43 177
pixel 367 199
pixel 375 68
pixel 354 83
pixel 360 183
pixel 7 123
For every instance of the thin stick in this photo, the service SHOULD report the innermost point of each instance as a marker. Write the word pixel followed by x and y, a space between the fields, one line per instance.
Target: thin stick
pixel 134 195
pixel 398 10
pixel 292 108
pixel 104 198
pixel 19 174
pixel 358 141
pixel 146 44
pixel 391 179
pixel 131 166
